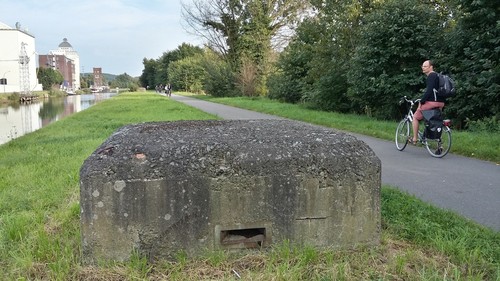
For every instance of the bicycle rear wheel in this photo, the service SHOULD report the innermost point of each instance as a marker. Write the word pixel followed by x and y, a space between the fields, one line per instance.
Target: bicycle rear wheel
pixel 439 147
pixel 402 134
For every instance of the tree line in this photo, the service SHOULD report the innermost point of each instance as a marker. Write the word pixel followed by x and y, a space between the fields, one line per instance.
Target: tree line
pixel 347 56
pixel 52 79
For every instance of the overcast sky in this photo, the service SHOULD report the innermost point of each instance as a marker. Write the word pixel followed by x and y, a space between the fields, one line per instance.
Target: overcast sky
pixel 112 34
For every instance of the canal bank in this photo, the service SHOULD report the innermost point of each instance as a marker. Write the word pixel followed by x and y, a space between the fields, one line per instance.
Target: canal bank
pixel 18 119
pixel 14 98
pixel 39 182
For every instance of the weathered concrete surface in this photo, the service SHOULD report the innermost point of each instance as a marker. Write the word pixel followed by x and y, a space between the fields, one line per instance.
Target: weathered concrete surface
pixel 158 188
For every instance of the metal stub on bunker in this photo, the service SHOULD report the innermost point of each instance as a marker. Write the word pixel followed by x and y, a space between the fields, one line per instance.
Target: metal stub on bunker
pixel 161 188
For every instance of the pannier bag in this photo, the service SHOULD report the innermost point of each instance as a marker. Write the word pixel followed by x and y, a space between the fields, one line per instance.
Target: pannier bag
pixel 433 123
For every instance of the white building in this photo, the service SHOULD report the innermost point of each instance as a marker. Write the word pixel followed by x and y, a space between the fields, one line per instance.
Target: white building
pixel 10 50
pixel 67 50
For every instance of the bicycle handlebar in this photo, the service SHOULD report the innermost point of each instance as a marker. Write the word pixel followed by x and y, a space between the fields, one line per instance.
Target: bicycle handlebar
pixel 412 102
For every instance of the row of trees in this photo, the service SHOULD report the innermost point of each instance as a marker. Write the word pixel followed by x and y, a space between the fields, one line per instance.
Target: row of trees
pixel 179 67
pixel 52 79
pixel 343 55
pixel 122 81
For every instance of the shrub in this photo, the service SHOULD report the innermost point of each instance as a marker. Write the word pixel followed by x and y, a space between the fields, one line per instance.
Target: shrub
pixel 484 125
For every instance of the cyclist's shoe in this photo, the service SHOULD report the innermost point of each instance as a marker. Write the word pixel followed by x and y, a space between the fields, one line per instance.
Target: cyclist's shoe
pixel 438 151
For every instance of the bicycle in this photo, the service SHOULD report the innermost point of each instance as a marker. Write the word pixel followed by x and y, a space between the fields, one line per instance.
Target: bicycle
pixel 437 142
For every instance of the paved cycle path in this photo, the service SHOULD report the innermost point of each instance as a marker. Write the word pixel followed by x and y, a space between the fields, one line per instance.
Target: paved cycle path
pixel 464 185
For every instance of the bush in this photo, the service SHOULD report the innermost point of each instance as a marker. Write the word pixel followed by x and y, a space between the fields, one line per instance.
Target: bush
pixel 133 87
pixel 14 97
pixel 219 78
pixel 484 125
pixel 55 92
pixel 282 88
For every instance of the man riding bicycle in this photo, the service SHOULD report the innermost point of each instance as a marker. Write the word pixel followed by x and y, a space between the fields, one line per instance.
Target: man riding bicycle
pixel 430 99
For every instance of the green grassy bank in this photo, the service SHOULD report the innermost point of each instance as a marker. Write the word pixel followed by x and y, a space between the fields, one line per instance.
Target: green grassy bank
pixel 481 145
pixel 40 236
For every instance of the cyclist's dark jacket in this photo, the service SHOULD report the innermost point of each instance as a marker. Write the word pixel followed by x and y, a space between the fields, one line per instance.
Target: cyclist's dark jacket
pixel 432 83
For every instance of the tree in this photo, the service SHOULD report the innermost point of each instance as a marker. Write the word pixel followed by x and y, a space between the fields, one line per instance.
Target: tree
pixel 49 78
pixel 84 81
pixel 290 82
pixel 315 64
pixel 395 40
pixel 147 78
pixel 156 71
pixel 243 30
pixel 183 51
pixel 474 61
pixel 216 21
pixel 341 24
pixel 219 78
pixel 125 81
pixel 187 74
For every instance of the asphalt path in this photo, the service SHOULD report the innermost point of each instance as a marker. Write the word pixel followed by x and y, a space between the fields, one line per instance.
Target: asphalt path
pixel 463 185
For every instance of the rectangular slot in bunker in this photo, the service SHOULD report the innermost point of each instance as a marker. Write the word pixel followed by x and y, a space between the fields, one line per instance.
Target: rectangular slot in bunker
pixel 243 238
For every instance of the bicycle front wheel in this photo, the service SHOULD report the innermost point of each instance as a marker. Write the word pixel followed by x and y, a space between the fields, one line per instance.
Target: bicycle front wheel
pixel 439 147
pixel 402 134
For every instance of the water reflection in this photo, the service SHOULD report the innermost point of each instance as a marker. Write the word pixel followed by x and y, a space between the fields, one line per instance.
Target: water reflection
pixel 19 120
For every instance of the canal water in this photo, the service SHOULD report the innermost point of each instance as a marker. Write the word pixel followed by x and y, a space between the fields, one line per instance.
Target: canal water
pixel 16 121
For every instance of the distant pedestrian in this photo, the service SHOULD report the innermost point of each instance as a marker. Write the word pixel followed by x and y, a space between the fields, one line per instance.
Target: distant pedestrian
pixel 168 90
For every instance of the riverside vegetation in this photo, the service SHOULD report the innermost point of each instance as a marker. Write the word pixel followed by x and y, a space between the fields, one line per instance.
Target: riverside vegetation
pixel 40 228
pixel 13 98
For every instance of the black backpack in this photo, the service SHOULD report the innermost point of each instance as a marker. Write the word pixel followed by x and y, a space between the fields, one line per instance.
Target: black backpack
pixel 446 86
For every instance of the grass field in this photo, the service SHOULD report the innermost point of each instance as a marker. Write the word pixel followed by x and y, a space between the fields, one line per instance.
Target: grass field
pixel 40 231
pixel 481 145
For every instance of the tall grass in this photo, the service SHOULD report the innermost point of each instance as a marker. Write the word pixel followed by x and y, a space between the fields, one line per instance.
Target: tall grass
pixel 39 210
pixel 40 229
pixel 481 145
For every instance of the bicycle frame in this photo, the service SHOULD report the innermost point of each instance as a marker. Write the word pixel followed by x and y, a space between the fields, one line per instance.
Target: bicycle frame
pixel 409 115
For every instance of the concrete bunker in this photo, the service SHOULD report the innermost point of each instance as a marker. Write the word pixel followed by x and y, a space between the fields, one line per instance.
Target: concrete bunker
pixel 160 188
